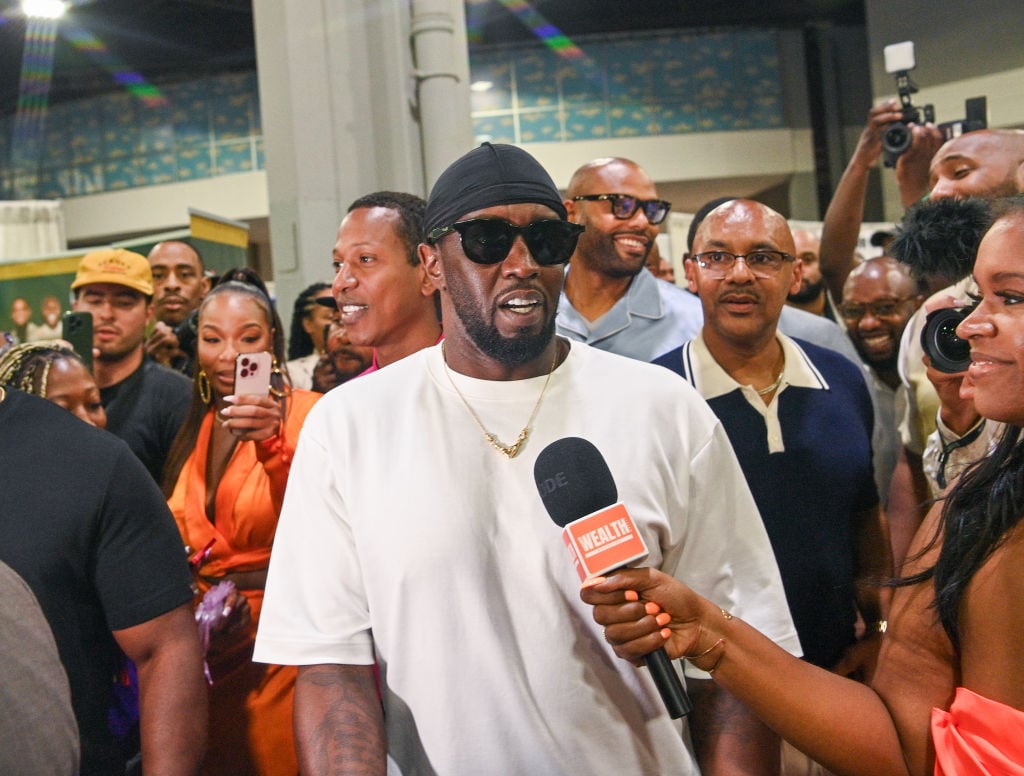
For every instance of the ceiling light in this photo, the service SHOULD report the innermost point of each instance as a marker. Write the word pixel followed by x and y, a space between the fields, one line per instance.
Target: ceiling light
pixel 43 9
pixel 480 86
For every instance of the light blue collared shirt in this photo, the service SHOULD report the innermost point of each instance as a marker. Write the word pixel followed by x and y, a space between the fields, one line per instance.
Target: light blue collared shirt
pixel 650 319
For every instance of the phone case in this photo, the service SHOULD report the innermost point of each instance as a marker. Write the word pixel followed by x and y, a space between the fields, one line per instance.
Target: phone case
pixel 76 329
pixel 252 373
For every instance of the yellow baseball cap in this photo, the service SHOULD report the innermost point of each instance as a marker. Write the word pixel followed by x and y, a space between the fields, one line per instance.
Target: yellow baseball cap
pixel 117 266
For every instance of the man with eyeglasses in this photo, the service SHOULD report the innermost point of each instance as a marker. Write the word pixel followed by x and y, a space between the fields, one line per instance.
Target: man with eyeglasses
pixel 879 297
pixel 609 301
pixel 799 418
pixel 412 531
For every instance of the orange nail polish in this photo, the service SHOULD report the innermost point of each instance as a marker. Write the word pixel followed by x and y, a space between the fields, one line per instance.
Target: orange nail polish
pixel 663 619
pixel 632 595
pixel 651 608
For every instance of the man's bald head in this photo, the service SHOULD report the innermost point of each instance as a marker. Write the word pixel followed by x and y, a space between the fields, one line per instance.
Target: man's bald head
pixel 986 163
pixel 601 172
pixel 748 216
pixel 742 303
pixel 611 246
pixel 879 297
pixel 895 275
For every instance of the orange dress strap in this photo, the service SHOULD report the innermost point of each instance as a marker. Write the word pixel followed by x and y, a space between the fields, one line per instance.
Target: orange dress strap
pixel 978 736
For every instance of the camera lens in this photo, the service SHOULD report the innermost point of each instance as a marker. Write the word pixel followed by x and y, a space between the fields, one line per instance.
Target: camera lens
pixel 896 138
pixel 948 352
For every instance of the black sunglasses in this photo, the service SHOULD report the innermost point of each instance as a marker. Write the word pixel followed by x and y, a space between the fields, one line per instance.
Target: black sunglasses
pixel 489 240
pixel 624 206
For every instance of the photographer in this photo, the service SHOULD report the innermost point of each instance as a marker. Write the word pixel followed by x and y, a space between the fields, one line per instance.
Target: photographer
pixel 845 213
pixel 938 240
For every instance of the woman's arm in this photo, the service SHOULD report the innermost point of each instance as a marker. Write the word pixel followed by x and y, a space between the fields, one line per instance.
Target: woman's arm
pixel 840 723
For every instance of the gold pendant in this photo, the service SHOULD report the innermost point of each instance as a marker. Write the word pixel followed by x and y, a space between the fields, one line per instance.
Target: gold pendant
pixel 510 451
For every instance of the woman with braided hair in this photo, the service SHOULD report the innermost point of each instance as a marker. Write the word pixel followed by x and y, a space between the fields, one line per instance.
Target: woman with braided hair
pixel 52 370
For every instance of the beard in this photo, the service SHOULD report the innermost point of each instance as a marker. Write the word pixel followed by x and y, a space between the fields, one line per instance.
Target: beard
pixel 881 365
pixel 808 293
pixel 603 255
pixel 508 351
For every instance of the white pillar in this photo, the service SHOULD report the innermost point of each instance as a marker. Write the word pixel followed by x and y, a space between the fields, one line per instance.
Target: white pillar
pixel 442 75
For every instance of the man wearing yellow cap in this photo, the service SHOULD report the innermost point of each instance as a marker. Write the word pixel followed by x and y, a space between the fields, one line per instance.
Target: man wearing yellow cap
pixel 146 403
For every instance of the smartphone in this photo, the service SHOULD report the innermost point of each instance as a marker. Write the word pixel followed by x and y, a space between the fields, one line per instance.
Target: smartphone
pixel 252 373
pixel 77 330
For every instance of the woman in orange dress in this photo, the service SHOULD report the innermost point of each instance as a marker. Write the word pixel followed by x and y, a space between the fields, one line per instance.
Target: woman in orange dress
pixel 225 481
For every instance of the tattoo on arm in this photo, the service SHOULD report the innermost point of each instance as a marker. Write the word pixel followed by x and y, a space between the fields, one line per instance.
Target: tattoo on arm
pixel 339 724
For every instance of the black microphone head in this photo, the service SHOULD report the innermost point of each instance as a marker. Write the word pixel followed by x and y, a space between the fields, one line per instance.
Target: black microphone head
pixel 573 479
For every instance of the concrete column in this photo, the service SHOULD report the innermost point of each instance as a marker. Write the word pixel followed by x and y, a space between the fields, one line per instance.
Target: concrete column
pixel 338 98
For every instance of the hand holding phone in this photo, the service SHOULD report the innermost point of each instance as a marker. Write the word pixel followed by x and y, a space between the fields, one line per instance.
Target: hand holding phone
pixel 252 373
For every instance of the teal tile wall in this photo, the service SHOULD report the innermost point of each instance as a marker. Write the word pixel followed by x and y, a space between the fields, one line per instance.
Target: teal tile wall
pixel 662 84
pixel 116 142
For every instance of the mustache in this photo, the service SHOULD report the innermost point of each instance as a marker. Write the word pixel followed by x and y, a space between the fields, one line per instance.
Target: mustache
pixel 740 293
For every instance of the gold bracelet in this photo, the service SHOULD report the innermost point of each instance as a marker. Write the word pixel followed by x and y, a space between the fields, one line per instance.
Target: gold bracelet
pixel 707 651
pixel 720 656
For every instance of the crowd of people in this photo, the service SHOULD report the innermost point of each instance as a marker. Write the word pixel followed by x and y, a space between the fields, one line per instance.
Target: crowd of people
pixel 349 568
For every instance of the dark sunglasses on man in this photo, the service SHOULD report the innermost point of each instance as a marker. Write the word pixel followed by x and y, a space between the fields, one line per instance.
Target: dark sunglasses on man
pixel 489 240
pixel 625 206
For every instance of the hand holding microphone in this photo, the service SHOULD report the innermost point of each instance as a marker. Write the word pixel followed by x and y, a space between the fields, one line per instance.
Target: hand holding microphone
pixel 579 494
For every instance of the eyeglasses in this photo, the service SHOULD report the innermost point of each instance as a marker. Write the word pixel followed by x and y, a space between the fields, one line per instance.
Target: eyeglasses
pixel 489 240
pixel 762 264
pixel 883 308
pixel 624 206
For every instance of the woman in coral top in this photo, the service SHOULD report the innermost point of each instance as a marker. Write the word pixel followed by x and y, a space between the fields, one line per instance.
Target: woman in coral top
pixel 225 480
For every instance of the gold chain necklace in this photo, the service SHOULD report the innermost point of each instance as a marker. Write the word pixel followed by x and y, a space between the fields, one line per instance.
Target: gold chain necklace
pixel 768 389
pixel 512 450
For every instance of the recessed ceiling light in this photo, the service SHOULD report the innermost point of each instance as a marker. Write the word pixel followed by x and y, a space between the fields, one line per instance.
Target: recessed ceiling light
pixel 43 9
pixel 480 86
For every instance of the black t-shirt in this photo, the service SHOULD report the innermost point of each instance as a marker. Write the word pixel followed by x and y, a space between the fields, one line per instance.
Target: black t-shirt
pixel 90 532
pixel 146 409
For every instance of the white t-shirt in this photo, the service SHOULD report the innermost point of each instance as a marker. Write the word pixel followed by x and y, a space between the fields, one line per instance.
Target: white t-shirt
pixel 406 538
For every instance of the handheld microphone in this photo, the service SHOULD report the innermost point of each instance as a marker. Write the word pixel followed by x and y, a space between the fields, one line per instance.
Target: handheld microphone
pixel 579 493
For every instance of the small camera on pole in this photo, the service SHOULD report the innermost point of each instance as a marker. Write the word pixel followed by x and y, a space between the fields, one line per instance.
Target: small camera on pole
pixel 899 61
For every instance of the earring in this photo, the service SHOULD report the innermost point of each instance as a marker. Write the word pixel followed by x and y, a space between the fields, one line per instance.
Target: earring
pixel 282 378
pixel 203 386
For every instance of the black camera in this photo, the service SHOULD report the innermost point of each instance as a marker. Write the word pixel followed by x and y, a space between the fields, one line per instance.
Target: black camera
pixel 899 60
pixel 187 332
pixel 948 352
